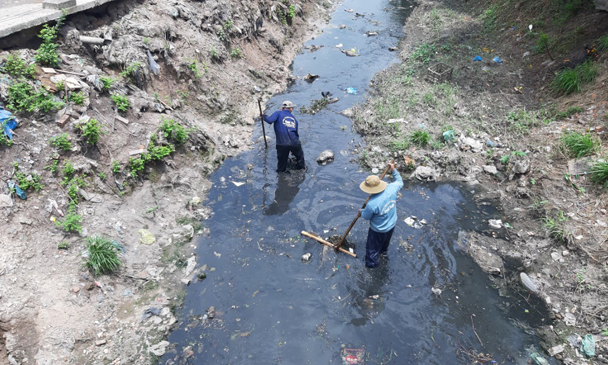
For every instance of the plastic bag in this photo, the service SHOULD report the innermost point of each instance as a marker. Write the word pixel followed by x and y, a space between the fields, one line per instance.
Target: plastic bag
pixel 154 67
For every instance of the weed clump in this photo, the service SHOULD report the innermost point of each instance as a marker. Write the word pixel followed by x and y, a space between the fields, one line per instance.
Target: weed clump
pixel 599 172
pixel 580 145
pixel 103 255
pixel 71 222
pixel 121 101
pixel 91 131
pixel 17 67
pixel 569 81
pixel 61 141
pixel 420 137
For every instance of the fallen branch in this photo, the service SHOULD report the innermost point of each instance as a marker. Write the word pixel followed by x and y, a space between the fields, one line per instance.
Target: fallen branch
pixel 473 324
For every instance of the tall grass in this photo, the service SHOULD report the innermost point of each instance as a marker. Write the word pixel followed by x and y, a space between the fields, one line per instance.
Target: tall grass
pixel 103 255
pixel 569 81
pixel 599 172
pixel 580 145
pixel 420 137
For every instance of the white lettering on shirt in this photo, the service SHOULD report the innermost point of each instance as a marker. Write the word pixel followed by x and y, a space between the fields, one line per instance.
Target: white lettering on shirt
pixel 289 122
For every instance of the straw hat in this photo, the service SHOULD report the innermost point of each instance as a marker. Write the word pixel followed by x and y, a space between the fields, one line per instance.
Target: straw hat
pixel 373 185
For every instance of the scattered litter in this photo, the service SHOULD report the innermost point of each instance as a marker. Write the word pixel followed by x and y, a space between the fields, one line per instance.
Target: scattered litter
pixel 413 221
pixel 436 291
pixel 448 136
pixel 339 45
pixel 538 359
pixel 528 283
pixel 526 54
pixel 311 77
pixel 238 183
pixel 9 123
pixel 495 223
pixel 497 60
pixel 371 34
pixel 351 90
pixel 575 340
pixel 343 26
pixel 588 346
pixel 152 311
pixel 20 193
pixel 352 356
pixel 146 237
pixel 218 255
pixel 530 27
pixel 154 67
pixel 306 257
pixel 477 58
pixel 350 52
pixel 348 10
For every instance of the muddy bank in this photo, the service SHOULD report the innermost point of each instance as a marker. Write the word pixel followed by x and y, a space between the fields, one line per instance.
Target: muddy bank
pixel 215 60
pixel 494 124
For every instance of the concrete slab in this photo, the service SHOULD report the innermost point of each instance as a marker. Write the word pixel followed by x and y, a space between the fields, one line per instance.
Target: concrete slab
pixel 58 4
pixel 31 15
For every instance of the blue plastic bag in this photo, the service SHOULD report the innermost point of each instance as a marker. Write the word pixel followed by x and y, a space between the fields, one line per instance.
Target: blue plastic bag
pixel 497 59
pixel 20 193
pixel 351 90
pixel 477 58
pixel 8 123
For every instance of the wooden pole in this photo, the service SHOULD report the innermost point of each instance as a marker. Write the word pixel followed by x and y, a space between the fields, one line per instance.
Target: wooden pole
pixel 262 120
pixel 322 241
pixel 358 214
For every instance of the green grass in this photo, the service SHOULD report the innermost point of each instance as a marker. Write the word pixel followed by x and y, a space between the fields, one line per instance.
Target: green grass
pixel 521 120
pixel 570 81
pixel 103 255
pixel 420 137
pixel 71 222
pixel 602 43
pixel 400 145
pixel 579 144
pixel 17 67
pixel 424 53
pixel 599 173
pixel 61 141
pixel 489 18
pixel 569 112
pixel 555 227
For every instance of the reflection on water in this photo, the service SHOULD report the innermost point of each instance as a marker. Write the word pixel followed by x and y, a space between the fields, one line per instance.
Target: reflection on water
pixel 288 187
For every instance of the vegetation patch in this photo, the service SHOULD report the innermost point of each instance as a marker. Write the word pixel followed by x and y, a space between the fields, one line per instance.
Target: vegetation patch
pixel 579 144
pixel 23 97
pixel 103 255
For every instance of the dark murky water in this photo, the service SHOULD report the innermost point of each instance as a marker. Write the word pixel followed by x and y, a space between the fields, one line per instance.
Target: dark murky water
pixel 272 308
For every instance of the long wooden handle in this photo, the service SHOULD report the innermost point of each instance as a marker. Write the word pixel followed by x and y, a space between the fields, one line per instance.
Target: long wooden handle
pixel 320 240
pixel 358 214
pixel 262 120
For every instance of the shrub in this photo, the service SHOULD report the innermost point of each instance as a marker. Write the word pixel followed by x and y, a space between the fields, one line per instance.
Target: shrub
pixel 420 137
pixel 121 101
pixel 28 181
pixel 17 67
pixel 91 131
pixel 158 153
pixel 47 53
pixel 236 53
pixel 174 132
pixel 579 144
pixel 68 170
pixel 545 44
pixel 599 172
pixel 71 222
pixel 103 257
pixel 130 71
pixel 137 165
pixel 116 167
pixel 23 97
pixel 61 141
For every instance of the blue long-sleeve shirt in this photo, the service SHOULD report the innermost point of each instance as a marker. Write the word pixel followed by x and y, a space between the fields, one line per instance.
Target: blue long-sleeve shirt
pixel 285 127
pixel 381 209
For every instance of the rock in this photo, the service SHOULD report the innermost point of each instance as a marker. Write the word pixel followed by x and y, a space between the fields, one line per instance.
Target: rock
pixel 528 283
pixel 159 349
pixel 556 256
pixel 325 157
pixel 425 173
pixel 211 312
pixel 306 257
pixel 569 319
pixel 495 223
pixel 100 343
pixel 490 169
pixel 521 167
pixel 5 201
pixel 468 143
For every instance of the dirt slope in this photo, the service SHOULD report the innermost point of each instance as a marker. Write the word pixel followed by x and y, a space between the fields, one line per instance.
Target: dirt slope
pixel 216 58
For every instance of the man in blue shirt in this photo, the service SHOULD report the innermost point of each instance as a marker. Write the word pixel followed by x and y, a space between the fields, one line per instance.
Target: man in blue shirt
pixel 288 140
pixel 381 211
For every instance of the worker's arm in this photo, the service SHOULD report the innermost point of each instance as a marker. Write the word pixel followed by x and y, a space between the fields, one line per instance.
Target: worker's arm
pixel 272 118
pixel 367 212
pixel 398 180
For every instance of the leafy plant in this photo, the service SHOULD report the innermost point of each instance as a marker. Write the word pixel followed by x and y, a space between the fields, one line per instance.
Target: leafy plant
pixel 489 18
pixel 103 255
pixel 77 98
pixel 54 166
pixel 599 172
pixel 400 145
pixel 102 175
pixel 291 13
pixel 420 137
pixel 29 181
pixel 71 222
pixel 505 159
pixel 130 71
pixel 61 141
pixel 545 44
pixel 116 167
pixel 236 53
pixel 555 228
pixel 68 170
pixel 23 97
pixel 579 144
pixel 158 153
pixel 63 245
pixel 47 53
pixel 174 132
pixel 91 131
pixel 106 82
pixel 193 66
pixel 17 67
pixel 137 165
pixel 121 101
pixel 424 53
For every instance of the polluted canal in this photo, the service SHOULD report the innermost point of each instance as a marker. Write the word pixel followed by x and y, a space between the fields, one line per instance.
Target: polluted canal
pixel 260 304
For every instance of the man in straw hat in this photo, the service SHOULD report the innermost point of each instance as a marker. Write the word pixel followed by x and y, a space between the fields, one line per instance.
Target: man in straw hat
pixel 381 211
pixel 288 139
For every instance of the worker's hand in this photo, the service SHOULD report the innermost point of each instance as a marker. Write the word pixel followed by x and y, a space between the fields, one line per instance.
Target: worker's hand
pixel 391 166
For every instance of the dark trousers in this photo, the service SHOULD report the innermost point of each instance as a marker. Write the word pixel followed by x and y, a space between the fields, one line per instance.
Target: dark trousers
pixel 376 243
pixel 283 156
